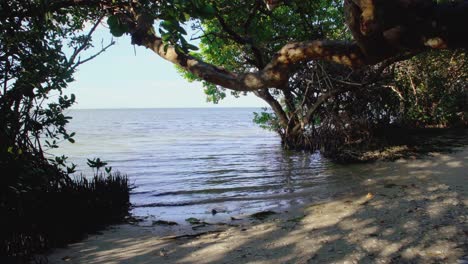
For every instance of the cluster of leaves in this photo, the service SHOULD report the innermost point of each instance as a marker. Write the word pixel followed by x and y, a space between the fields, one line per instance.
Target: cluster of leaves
pixel 39 52
pixel 171 29
pixel 244 35
pixel 117 26
pixel 241 36
pixel 267 120
pixel 171 16
pixel 97 164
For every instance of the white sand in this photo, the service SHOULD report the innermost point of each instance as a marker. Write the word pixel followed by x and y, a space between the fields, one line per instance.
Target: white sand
pixel 416 212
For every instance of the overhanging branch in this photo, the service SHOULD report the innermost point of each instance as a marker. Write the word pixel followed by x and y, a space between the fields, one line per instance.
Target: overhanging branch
pixel 275 74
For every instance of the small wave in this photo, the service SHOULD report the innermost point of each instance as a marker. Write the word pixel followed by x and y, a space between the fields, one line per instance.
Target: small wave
pixel 198 202
pixel 280 196
pixel 141 192
pixel 249 189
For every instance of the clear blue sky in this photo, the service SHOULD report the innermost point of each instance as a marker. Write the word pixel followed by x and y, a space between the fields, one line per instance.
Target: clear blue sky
pixel 120 79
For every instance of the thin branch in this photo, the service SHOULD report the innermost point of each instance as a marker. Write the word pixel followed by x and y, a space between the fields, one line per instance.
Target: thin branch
pixel 394 89
pixel 93 56
pixel 251 15
pixel 86 43
pixel 348 83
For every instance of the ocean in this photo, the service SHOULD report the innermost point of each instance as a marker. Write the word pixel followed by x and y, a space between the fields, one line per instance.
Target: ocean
pixel 186 162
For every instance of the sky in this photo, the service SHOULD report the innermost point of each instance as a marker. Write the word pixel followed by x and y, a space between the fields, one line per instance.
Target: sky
pixel 119 78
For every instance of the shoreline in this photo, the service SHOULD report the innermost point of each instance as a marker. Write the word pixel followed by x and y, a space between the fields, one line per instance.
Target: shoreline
pixel 409 211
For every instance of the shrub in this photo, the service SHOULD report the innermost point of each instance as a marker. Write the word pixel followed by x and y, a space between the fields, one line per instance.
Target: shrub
pixel 36 218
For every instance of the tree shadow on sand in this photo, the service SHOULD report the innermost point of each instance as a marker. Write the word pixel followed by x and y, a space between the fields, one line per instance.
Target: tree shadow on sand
pixel 407 212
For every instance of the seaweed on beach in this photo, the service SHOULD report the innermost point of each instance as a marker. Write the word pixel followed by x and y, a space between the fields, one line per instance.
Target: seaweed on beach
pixel 164 223
pixel 262 215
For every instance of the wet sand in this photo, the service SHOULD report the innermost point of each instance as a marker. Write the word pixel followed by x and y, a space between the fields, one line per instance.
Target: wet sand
pixel 407 211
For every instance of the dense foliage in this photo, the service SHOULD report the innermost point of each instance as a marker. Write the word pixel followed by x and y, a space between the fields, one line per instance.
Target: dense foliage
pixel 39 55
pixel 241 43
pixel 39 52
pixel 427 91
pixel 432 89
pixel 50 216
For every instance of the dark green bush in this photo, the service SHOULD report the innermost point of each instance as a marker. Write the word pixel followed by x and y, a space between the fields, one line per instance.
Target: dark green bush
pixel 40 217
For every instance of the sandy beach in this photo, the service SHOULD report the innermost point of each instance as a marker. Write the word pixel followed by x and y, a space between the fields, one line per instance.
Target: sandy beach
pixel 408 211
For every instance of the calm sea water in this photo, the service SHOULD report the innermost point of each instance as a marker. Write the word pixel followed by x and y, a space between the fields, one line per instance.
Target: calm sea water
pixel 186 162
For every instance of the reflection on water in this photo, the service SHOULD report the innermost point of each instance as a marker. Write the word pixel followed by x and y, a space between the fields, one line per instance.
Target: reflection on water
pixel 185 162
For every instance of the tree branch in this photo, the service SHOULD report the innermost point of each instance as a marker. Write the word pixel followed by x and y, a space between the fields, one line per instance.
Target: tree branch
pixel 84 45
pixel 103 49
pixel 275 105
pixel 275 73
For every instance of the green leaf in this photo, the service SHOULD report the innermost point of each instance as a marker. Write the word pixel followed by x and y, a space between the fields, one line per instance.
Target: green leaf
pixel 117 28
pixel 191 47
pixel 166 37
pixel 113 21
pixel 169 25
pixel 208 11
pixel 117 31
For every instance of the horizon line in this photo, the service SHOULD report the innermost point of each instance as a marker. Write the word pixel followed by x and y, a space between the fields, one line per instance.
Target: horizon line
pixel 191 107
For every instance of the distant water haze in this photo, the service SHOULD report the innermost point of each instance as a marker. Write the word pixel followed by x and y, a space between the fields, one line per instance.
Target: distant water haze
pixel 186 162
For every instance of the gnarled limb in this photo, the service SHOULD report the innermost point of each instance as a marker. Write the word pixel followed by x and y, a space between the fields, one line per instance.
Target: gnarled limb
pixel 275 74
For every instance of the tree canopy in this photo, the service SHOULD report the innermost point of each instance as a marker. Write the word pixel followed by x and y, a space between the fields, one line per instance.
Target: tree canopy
pixel 381 30
pixel 264 47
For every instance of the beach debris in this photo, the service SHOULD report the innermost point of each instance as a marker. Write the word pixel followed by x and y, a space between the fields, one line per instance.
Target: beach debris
pixel 194 235
pixel 193 221
pixel 134 220
pixel 163 252
pixel 218 210
pixel 197 223
pixel 164 223
pixel 314 256
pixel 297 219
pixel 390 185
pixel 367 198
pixel 262 215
